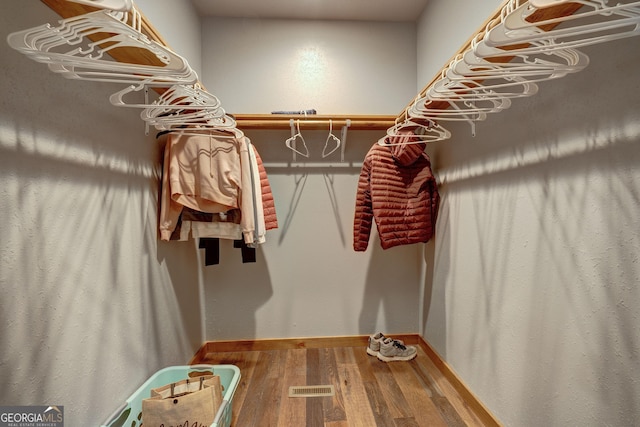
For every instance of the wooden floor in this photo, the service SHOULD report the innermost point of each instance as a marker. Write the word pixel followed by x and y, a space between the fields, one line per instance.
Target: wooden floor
pixel 368 392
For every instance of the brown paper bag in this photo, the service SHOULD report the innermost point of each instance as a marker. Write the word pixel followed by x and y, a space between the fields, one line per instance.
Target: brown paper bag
pixel 191 402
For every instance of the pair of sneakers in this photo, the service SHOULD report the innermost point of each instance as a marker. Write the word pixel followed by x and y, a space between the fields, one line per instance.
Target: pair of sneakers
pixel 389 350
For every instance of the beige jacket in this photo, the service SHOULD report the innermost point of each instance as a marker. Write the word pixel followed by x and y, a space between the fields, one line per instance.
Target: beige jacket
pixel 208 173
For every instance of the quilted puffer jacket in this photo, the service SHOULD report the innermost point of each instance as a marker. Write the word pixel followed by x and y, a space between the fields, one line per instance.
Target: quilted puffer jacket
pixel 268 204
pixel 397 189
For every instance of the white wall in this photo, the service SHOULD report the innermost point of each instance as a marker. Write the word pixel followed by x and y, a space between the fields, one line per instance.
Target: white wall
pixel 443 28
pixel 179 24
pixel 530 291
pixel 91 304
pixel 308 281
pixel 534 297
pixel 336 67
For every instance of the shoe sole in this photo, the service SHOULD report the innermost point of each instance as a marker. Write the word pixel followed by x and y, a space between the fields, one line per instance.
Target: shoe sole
pixel 371 352
pixel 396 358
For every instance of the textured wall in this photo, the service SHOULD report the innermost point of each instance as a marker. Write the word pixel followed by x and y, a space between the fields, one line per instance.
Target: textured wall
pixel 533 296
pixel 179 24
pixel 91 304
pixel 444 27
pixel 308 281
pixel 336 67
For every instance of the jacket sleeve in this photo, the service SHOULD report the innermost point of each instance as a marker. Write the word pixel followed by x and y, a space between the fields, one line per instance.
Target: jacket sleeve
pixel 169 209
pixel 268 203
pixel 247 205
pixel 259 235
pixel 363 218
pixel 435 205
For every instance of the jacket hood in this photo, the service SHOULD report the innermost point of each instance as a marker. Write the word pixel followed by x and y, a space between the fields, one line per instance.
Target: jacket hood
pixel 404 150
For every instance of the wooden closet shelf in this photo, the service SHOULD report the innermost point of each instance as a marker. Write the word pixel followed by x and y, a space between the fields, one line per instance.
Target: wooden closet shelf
pixel 314 121
pixel 67 9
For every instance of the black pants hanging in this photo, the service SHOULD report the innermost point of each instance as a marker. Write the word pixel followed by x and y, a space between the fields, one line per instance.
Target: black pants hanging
pixel 211 246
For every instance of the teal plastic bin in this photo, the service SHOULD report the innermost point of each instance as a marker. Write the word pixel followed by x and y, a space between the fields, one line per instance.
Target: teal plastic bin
pixel 130 414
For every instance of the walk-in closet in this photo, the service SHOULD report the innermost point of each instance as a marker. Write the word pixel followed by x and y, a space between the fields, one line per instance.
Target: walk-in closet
pixel 522 303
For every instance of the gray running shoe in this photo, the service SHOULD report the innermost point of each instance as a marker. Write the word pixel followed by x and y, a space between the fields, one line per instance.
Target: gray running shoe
pixel 374 344
pixel 393 350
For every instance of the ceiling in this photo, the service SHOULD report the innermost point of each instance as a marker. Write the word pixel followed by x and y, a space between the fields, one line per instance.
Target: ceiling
pixel 358 10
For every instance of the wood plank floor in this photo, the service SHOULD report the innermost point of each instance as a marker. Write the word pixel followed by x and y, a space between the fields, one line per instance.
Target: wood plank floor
pixel 368 392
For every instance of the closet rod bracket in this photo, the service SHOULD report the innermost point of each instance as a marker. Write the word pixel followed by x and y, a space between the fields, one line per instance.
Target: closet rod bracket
pixel 343 139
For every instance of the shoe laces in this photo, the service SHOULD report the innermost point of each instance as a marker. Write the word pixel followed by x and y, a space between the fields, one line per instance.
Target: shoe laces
pixel 399 345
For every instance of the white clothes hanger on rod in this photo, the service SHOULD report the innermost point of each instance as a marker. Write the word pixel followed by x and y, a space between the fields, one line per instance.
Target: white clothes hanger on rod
pixel 461 107
pixel 470 89
pixel 211 119
pixel 87 47
pixel 177 96
pixel 482 60
pixel 122 5
pixel 230 132
pixel 596 11
pixel 68 50
pixel 415 132
pixel 291 143
pixel 72 31
pixel 222 127
pixel 331 140
pixel 599 24
pixel 475 88
pixel 518 49
pixel 468 115
pixel 183 105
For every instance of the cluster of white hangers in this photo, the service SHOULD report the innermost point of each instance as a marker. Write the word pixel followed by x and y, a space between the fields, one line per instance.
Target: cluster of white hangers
pixel 510 57
pixel 79 47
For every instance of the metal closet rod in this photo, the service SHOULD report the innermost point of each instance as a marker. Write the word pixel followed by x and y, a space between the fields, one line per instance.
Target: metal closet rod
pixel 314 122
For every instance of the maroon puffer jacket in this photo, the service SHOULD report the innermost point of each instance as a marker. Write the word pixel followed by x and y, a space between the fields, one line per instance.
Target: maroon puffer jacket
pixel 396 188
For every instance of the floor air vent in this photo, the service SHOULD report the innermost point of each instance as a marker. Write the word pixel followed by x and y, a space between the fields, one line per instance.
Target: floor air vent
pixel 311 391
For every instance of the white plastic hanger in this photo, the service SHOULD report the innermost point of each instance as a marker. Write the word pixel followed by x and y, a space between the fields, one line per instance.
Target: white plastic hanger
pixel 461 108
pixel 470 114
pixel 179 118
pixel 68 50
pixel 331 140
pixel 232 133
pixel 603 13
pixel 482 60
pixel 461 83
pixel 72 31
pixel 295 136
pixel 541 4
pixel 415 132
pixel 495 82
pixel 579 29
pixel 473 89
pixel 176 97
pixel 123 5
pixel 127 75
pixel 224 123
